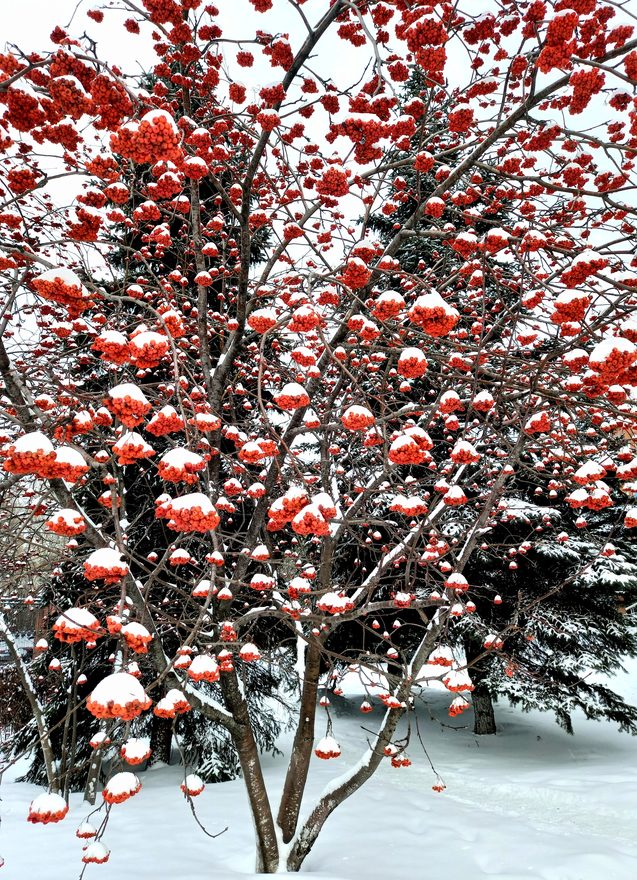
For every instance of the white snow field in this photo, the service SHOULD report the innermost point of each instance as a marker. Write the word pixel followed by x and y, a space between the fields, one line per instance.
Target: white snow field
pixel 531 802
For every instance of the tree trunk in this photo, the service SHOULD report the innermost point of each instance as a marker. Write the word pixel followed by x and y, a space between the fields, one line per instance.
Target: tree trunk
pixel 301 755
pixel 484 717
pixel 267 861
pixel 349 783
pixel 31 695
pixel 93 778
pixel 161 740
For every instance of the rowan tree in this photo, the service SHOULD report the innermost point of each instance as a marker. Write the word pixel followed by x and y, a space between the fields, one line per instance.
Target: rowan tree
pixel 287 401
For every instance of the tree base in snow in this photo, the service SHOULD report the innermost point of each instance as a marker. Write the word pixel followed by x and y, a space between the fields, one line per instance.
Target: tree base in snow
pixel 484 716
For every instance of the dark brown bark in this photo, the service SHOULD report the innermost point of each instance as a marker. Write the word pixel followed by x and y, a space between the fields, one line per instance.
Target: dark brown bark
pixel 70 758
pixel 483 711
pixel 249 759
pixel 346 787
pixel 484 716
pixel 301 756
pixel 161 740
pixel 328 803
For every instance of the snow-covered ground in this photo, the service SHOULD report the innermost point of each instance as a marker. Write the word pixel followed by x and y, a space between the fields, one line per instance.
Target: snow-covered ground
pixel 531 802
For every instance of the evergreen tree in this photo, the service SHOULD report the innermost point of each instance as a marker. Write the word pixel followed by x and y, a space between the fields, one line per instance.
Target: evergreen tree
pixel 159 261
pixel 543 547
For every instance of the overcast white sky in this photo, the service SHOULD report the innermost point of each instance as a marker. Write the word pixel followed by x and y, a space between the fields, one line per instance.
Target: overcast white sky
pixel 28 24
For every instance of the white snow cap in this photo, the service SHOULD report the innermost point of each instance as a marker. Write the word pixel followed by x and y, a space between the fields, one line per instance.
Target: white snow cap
pixel 47 802
pixel 433 300
pixel 96 851
pixel 606 347
pixel 202 664
pixel 131 438
pixel 441 655
pixel 179 458
pixel 155 115
pixel 85 829
pixel 35 441
pixel 193 499
pixel 135 629
pixel 408 354
pixel 463 447
pixel 391 296
pixel 65 276
pixel 137 749
pixel 356 410
pixel 498 233
pixel 105 557
pixel 575 355
pixel 173 697
pixel 122 783
pixel 569 296
pixel 120 688
pixel 128 389
pixel 268 313
pixel 100 737
pixel 590 471
pixel 167 411
pixel 484 398
pixel 292 389
pixel 147 337
pixel 193 784
pixel 76 618
pixel 68 455
pixel 589 255
pixel 328 746
pixel 113 336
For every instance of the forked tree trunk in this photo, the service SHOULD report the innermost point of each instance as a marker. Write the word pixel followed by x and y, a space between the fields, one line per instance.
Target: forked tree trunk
pixel 484 716
pixel 349 783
